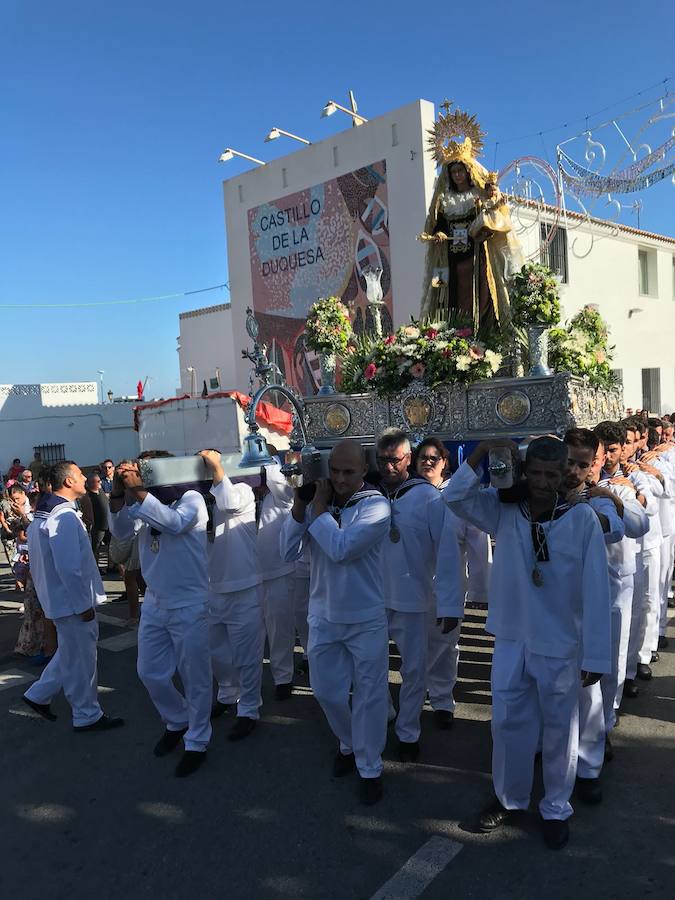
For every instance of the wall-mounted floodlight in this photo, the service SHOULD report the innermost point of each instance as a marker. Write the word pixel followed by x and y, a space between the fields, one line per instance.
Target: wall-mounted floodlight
pixel 229 154
pixel 332 107
pixel 632 312
pixel 277 132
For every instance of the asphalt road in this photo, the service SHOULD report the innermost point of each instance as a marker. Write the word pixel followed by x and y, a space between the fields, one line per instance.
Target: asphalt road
pixel 98 816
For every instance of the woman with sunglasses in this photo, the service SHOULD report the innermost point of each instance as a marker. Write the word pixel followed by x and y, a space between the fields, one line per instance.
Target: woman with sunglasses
pixel 432 461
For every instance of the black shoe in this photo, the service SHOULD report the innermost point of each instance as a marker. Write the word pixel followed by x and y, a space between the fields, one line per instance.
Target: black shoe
pixel 370 791
pixel 408 751
pixel 220 709
pixel 655 657
pixel 42 708
pixel 644 673
pixel 168 742
pixel 241 728
pixel 663 642
pixel 630 689
pixel 588 791
pixel 105 723
pixel 444 719
pixel 609 750
pixel 283 691
pixel 494 816
pixel 190 761
pixel 555 832
pixel 343 764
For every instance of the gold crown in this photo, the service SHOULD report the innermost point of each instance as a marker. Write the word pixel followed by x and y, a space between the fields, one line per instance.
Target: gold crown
pixel 455 125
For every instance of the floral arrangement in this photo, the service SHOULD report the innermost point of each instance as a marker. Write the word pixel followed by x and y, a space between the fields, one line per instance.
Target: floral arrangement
pixel 328 328
pixel 581 348
pixel 534 299
pixel 432 353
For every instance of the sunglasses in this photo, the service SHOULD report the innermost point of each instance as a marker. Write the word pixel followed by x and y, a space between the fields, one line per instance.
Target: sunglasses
pixel 430 459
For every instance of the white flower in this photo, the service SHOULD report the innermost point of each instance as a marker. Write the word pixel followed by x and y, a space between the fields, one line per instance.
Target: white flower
pixel 463 363
pixel 409 350
pixel 411 331
pixel 494 360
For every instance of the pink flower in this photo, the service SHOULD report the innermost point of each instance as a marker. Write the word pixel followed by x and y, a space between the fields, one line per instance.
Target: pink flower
pixel 389 339
pixel 463 333
pixel 447 352
pixel 418 370
pixel 369 372
pixel 476 351
pixel 430 333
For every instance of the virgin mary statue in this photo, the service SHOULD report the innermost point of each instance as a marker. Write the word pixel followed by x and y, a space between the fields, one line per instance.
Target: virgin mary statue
pixel 472 252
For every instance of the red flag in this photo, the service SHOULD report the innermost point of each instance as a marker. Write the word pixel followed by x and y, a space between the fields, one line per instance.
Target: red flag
pixel 139 390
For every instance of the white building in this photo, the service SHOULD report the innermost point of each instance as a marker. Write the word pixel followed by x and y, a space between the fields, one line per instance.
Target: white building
pixel 629 275
pixel 278 211
pixel 64 421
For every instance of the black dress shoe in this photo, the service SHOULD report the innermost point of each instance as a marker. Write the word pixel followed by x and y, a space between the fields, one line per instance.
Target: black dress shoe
pixel 609 750
pixel 444 719
pixel 283 691
pixel 168 742
pixel 644 673
pixel 494 816
pixel 408 751
pixel 241 728
pixel 370 791
pixel 190 761
pixel 105 723
pixel 555 832
pixel 343 764
pixel 42 708
pixel 655 657
pixel 588 790
pixel 663 642
pixel 630 689
pixel 220 709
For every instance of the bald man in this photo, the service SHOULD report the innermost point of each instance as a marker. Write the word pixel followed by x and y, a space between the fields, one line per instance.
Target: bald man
pixel 344 523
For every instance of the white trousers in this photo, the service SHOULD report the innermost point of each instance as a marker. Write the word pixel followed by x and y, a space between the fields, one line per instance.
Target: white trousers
pixel 666 580
pixel 592 731
pixel 170 641
pixel 356 656
pixel 73 669
pixel 442 661
pixel 534 696
pixel 279 615
pixel 651 562
pixel 301 605
pixel 409 632
pixel 237 640
pixel 611 685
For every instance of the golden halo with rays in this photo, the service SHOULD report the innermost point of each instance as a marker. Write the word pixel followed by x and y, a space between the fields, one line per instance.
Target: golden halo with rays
pixel 455 124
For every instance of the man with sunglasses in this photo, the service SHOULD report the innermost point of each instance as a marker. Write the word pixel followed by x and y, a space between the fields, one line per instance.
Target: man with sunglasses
pixel 410 562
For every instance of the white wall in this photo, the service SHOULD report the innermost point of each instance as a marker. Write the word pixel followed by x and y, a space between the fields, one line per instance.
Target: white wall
pixel 207 343
pixel 608 276
pixel 399 138
pixel 89 433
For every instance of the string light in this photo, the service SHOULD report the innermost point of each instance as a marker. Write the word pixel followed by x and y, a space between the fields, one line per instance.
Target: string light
pixel 96 303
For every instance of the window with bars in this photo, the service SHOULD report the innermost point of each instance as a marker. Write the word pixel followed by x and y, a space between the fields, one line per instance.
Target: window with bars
pixel 651 390
pixel 618 375
pixel 553 252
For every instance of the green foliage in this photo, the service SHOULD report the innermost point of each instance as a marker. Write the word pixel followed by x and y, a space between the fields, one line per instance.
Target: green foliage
pixel 534 299
pixel 581 348
pixel 328 327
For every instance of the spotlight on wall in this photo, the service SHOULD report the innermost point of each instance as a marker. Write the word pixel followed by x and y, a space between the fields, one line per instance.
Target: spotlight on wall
pixel 634 311
pixel 278 132
pixel 332 107
pixel 229 154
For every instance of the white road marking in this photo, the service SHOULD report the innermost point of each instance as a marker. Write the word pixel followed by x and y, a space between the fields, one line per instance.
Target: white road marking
pixel 120 641
pixel 420 870
pixel 10 678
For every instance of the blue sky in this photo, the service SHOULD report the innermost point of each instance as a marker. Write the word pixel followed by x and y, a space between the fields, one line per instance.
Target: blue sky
pixel 114 116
